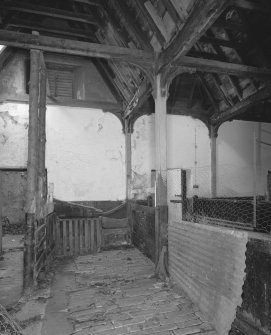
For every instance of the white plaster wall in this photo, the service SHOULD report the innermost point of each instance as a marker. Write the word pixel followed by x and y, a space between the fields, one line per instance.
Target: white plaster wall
pixel 181 133
pixel 13 135
pixel 84 152
pixel 234 154
pixel 235 158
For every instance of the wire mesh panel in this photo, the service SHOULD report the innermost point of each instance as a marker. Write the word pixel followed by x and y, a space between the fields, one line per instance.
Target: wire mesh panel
pixel 8 326
pixel 236 202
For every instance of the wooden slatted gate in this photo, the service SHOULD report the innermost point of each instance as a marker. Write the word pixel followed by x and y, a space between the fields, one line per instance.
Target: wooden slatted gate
pixel 78 236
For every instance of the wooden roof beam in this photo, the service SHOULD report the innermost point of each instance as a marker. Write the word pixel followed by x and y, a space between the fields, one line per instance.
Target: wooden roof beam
pixel 242 106
pixel 65 46
pixel 49 12
pixel 215 66
pixel 153 26
pixel 202 16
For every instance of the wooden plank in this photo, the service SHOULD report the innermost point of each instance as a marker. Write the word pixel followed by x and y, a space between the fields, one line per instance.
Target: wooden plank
pixel 71 47
pixel 214 66
pixel 242 106
pixel 71 239
pixel 87 235
pixel 49 12
pixel 81 236
pixel 76 237
pixel 99 234
pixel 92 236
pixel 65 224
pixel 202 16
pixel 58 237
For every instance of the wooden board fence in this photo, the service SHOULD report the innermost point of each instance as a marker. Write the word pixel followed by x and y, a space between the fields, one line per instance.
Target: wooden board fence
pixel 78 236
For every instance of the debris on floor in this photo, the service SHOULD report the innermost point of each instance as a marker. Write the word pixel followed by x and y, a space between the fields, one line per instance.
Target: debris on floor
pixel 115 293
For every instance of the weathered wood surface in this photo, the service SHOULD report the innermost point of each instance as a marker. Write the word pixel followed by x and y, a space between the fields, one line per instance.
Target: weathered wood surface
pixel 202 16
pixel 78 236
pixel 242 106
pixel 44 243
pixel 53 44
pixel 115 293
pixel 216 66
pixel 32 167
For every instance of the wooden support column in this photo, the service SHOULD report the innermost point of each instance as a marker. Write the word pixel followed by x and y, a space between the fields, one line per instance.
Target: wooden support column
pixel 42 187
pixel 213 136
pixel 161 217
pixel 32 168
pixel 128 158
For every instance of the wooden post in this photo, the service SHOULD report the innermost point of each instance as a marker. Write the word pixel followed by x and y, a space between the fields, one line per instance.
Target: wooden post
pixel 32 168
pixel 128 159
pixel 42 190
pixel 161 207
pixel 213 136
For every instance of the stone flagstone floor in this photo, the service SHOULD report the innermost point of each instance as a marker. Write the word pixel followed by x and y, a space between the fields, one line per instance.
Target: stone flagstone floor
pixel 115 293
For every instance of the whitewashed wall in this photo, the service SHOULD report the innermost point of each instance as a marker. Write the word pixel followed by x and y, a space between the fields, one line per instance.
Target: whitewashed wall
pixel 84 154
pixel 234 153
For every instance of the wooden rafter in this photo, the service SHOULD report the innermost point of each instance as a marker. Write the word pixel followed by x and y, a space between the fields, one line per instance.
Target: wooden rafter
pixel 241 107
pixel 150 21
pixel 214 66
pixel 200 19
pixel 131 26
pixel 106 73
pixel 208 92
pixel 48 11
pixel 5 56
pixel 138 99
pixel 65 46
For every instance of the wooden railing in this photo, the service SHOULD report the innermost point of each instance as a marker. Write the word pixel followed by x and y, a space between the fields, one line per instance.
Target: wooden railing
pixel 44 243
pixel 78 236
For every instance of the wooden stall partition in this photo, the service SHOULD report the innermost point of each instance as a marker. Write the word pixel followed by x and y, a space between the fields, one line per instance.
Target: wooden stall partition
pixel 78 236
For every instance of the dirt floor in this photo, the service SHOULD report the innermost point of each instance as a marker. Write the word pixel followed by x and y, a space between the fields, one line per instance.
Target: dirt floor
pixel 115 293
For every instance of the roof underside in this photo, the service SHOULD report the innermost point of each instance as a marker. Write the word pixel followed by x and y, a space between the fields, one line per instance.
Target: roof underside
pixel 240 35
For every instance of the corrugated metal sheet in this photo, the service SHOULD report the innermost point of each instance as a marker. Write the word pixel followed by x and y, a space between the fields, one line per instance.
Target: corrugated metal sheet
pixel 209 264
